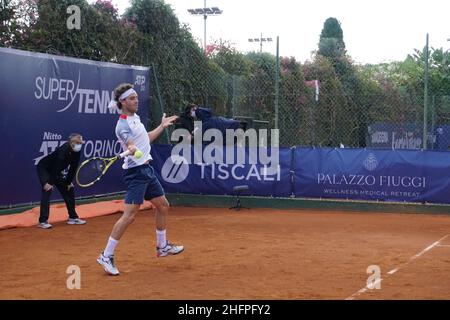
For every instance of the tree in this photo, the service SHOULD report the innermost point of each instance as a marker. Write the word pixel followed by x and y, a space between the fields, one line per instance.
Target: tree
pixel 351 108
pixel 237 67
pixel 331 43
pixel 296 105
pixel 103 35
pixel 15 18
pixel 259 87
pixel 181 68
pixel 231 60
pixel 331 117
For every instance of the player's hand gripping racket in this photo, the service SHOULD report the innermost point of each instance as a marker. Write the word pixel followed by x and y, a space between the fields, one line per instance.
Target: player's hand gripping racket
pixel 91 170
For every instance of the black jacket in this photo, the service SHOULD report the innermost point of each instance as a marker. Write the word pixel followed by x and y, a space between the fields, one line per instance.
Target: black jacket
pixel 51 166
pixel 185 121
pixel 213 122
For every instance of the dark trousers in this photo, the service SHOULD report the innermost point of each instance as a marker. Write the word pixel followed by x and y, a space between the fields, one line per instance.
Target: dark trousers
pixel 68 195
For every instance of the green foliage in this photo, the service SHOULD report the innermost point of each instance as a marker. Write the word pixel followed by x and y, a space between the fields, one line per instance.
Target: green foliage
pixel 295 116
pixel 352 97
pixel 16 16
pixel 232 61
pixel 329 116
pixel 331 42
pixel 103 36
pixel 181 67
pixel 259 92
pixel 402 85
pixel 332 29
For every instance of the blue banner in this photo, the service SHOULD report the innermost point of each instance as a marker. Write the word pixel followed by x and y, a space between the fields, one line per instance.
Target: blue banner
pixel 194 173
pixel 44 99
pixel 401 136
pixel 385 175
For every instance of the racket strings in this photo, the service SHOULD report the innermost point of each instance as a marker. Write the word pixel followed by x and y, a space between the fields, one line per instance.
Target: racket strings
pixel 90 171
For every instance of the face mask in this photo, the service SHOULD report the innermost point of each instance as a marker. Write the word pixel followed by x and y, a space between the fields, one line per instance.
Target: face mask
pixel 193 113
pixel 77 147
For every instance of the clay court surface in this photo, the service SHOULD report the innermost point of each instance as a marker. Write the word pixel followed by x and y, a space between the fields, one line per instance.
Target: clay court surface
pixel 252 254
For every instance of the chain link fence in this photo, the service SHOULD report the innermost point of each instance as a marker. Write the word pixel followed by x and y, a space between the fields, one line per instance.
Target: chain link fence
pixel 327 102
pixel 320 112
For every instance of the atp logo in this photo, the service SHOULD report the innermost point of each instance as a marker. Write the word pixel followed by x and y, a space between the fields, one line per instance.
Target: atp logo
pixel 50 142
pixel 175 169
pixel 140 81
pixel 371 163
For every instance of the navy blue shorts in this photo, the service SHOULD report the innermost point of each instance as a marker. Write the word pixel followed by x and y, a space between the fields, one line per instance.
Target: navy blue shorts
pixel 141 184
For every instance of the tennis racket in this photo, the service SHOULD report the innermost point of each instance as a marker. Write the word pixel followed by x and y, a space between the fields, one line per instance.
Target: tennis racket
pixel 91 170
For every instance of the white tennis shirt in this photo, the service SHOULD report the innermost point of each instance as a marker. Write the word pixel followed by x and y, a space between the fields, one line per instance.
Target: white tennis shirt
pixel 131 128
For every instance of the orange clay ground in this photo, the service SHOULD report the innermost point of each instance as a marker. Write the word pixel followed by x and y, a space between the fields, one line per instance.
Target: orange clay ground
pixel 252 254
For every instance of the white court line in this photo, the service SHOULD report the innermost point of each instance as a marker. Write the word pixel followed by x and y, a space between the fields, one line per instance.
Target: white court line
pixel 393 271
pixel 367 287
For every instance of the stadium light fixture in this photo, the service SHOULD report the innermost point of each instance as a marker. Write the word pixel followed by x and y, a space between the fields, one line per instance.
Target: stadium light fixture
pixel 205 12
pixel 260 40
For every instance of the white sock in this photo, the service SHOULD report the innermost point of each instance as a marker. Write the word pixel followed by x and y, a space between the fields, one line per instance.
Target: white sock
pixel 110 247
pixel 161 238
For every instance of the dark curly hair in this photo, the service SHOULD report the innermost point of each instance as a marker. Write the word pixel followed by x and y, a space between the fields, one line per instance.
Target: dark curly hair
pixel 187 109
pixel 121 88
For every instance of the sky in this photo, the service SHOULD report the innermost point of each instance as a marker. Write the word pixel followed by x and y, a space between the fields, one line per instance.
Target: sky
pixel 374 31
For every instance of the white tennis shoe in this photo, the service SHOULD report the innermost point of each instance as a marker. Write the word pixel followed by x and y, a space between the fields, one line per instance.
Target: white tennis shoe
pixel 76 221
pixel 169 249
pixel 108 264
pixel 44 225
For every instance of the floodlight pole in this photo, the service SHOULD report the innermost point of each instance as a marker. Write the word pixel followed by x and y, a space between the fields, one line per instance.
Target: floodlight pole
pixel 205 12
pixel 260 44
pixel 204 33
pixel 260 39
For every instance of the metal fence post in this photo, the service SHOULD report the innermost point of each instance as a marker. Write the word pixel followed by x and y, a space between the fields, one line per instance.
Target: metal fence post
pixel 425 98
pixel 277 82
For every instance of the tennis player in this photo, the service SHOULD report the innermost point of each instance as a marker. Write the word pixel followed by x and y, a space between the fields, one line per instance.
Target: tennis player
pixel 139 177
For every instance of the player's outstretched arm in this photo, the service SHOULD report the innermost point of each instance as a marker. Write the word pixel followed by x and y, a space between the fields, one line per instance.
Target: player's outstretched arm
pixel 165 122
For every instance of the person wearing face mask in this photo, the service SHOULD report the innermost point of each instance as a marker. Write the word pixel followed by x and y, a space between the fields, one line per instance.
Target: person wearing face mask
pixel 50 171
pixel 186 121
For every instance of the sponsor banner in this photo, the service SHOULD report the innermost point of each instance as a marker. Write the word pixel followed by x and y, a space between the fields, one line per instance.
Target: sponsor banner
pixel 45 98
pixel 385 175
pixel 399 136
pixel 207 171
